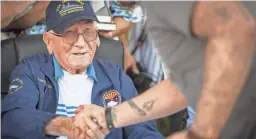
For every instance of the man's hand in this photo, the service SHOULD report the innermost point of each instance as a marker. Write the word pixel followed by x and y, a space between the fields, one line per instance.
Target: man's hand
pixel 62 126
pixel 178 135
pixel 59 126
pixel 77 133
pixel 91 120
pixel 129 62
pixel 193 133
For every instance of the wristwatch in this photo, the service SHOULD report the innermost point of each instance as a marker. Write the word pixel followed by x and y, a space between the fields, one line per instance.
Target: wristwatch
pixel 109 119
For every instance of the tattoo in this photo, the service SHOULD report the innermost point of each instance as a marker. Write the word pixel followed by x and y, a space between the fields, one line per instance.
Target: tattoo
pixel 216 18
pixel 140 111
pixel 222 12
pixel 148 106
pixel 113 113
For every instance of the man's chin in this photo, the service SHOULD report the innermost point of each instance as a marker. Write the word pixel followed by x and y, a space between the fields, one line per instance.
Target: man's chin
pixel 80 66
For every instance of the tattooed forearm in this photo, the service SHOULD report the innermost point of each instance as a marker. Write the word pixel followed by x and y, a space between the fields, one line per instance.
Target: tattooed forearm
pixel 148 106
pixel 139 111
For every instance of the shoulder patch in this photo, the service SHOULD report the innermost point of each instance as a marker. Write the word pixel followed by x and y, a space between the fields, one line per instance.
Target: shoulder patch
pixel 15 85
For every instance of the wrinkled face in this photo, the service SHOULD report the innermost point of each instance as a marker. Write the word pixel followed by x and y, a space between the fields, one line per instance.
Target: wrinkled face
pixel 76 47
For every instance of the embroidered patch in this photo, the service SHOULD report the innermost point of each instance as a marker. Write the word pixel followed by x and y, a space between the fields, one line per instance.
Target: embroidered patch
pixel 111 98
pixel 44 82
pixel 16 85
pixel 66 8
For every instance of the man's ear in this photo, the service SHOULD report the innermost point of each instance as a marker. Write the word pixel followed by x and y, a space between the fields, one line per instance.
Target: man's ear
pixel 98 42
pixel 47 40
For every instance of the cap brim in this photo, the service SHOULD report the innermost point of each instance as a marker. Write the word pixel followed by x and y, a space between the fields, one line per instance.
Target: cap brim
pixel 60 28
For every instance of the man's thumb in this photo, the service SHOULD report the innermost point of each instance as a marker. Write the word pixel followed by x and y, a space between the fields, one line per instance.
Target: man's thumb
pixel 135 69
pixel 80 108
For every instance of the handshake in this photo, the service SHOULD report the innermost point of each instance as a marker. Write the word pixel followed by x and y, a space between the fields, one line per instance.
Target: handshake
pixel 89 123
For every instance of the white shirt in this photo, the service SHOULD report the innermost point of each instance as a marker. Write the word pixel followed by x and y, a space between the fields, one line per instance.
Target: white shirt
pixel 74 90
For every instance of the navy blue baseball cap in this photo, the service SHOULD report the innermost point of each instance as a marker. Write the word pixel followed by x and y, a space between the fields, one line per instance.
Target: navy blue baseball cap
pixel 61 14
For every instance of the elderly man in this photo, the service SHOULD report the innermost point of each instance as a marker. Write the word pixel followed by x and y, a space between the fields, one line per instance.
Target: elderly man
pixel 46 89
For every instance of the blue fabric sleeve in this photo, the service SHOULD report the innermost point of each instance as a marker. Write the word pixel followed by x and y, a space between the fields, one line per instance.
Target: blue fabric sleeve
pixel 20 118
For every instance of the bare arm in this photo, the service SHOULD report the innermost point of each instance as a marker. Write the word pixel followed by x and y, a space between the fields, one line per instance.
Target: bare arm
pixel 122 27
pixel 229 52
pixel 35 15
pixel 230 30
pixel 10 9
pixel 159 101
pixel 123 39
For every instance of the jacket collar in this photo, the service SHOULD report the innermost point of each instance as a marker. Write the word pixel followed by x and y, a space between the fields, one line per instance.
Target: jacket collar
pixel 58 72
pixel 101 84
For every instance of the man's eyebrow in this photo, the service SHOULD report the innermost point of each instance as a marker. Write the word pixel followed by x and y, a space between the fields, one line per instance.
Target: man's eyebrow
pixel 87 26
pixel 68 29
pixel 71 27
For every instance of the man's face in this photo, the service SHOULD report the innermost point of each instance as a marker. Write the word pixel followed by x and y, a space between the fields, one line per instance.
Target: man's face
pixel 79 53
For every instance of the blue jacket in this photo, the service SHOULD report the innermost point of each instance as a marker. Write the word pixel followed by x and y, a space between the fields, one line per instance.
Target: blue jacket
pixel 32 102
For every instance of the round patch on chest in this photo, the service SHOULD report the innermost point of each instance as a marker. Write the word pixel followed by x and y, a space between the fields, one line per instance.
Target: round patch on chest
pixel 111 98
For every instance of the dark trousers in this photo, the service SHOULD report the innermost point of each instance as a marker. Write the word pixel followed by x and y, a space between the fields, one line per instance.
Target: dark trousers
pixel 173 123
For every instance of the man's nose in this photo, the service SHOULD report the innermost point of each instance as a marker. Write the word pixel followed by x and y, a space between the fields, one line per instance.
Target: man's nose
pixel 80 42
